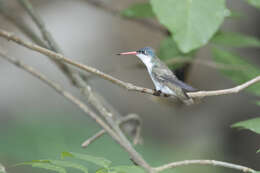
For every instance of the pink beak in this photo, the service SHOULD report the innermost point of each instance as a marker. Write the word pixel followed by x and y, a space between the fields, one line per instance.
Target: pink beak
pixel 128 53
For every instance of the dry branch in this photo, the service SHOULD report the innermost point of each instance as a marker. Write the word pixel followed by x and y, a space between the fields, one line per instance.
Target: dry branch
pixel 81 106
pixel 128 86
pixel 122 121
pixel 204 162
pixel 100 104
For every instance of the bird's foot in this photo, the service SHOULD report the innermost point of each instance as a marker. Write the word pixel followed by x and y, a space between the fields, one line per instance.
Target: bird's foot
pixel 157 92
pixel 166 95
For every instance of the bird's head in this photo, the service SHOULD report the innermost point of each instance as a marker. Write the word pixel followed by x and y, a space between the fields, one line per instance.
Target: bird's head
pixel 145 54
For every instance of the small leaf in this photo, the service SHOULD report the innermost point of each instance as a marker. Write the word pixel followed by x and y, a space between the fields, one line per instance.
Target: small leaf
pixel 70 165
pixel 255 3
pixel 247 71
pixel 191 22
pixel 258 103
pixel 251 124
pixel 128 169
pixel 235 40
pixel 96 160
pixel 168 51
pixel 258 151
pixel 66 154
pixel 44 164
pixel 139 10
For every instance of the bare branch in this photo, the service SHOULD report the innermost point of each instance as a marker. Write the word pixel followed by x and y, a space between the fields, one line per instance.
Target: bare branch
pixel 81 106
pixel 123 120
pixel 97 101
pixel 93 138
pixel 128 86
pixel 204 162
pixel 48 38
pixel 237 89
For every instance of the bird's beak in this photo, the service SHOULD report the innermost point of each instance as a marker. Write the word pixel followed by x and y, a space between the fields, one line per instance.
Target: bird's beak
pixel 128 53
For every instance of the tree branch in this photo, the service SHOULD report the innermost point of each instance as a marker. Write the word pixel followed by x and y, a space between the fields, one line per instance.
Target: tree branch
pixel 123 120
pixel 81 106
pixel 48 38
pixel 94 98
pixel 204 162
pixel 128 86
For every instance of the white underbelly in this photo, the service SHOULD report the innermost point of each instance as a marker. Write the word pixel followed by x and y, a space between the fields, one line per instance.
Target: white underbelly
pixel 159 86
pixel 163 88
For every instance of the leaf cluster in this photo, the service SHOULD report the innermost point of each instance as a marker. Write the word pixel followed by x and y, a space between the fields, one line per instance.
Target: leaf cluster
pixel 61 165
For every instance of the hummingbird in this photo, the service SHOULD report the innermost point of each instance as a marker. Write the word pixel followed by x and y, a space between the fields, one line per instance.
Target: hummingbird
pixel 163 78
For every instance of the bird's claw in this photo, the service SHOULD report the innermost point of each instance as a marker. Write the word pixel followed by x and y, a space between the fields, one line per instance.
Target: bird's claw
pixel 157 92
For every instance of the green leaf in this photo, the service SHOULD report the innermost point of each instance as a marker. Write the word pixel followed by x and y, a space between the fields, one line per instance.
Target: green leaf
pixel 70 165
pixel 139 10
pixel 168 52
pixel 191 22
pixel 251 124
pixel 258 151
pixel 168 49
pixel 128 169
pixel 45 164
pixel 96 160
pixel 66 154
pixel 235 40
pixel 258 103
pixel 255 3
pixel 245 71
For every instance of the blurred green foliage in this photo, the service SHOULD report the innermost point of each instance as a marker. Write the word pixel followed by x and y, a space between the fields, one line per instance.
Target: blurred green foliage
pixel 60 165
pixel 233 39
pixel 139 10
pixel 44 136
pixel 244 72
pixel 251 124
pixel 168 51
pixel 255 3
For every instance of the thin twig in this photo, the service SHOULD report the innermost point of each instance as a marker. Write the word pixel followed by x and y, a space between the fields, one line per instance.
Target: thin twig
pixel 79 104
pixel 123 120
pixel 237 89
pixel 48 38
pixel 204 162
pixel 128 86
pixel 93 138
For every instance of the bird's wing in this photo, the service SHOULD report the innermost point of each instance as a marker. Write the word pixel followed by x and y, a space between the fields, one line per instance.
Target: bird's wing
pixel 166 77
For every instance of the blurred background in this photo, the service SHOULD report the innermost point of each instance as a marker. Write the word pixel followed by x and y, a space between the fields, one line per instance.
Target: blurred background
pixel 37 123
